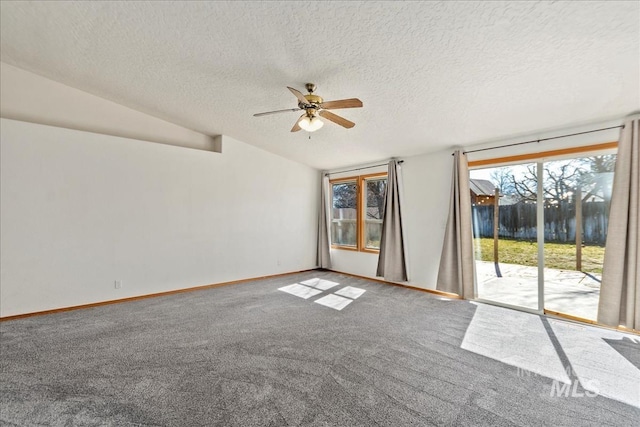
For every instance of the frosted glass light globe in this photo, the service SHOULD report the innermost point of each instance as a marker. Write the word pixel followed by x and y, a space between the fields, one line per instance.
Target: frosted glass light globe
pixel 310 124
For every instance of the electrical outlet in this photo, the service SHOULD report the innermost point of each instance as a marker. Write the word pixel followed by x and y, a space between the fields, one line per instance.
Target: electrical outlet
pixel 117 284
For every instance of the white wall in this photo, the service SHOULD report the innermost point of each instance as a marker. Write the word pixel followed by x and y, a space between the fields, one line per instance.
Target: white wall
pixel 427 183
pixel 427 190
pixel 80 210
pixel 33 98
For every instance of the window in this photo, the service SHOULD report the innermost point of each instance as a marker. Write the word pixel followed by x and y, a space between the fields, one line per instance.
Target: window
pixel 374 211
pixel 344 213
pixel 356 216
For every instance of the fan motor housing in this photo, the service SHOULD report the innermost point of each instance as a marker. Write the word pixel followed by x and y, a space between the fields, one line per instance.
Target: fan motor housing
pixel 313 99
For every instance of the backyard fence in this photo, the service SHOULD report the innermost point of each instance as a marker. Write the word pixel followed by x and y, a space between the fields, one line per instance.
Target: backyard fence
pixel 518 221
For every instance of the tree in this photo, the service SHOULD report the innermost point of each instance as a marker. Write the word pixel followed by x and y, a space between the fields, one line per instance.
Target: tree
pixel 562 178
pixel 345 195
pixel 376 190
pixel 525 187
pixel 596 179
pixel 501 178
pixel 560 181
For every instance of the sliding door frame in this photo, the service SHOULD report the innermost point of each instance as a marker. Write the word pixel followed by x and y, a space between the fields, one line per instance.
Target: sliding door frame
pixel 539 158
pixel 540 232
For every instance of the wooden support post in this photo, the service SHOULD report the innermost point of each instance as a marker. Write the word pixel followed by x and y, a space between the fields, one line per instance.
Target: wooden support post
pixel 578 198
pixel 496 224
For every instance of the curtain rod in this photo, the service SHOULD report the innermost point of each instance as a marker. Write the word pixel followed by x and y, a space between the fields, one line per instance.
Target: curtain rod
pixel 358 169
pixel 541 139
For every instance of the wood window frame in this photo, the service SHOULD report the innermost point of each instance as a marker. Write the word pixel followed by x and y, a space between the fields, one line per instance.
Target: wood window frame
pixel 478 164
pixel 360 204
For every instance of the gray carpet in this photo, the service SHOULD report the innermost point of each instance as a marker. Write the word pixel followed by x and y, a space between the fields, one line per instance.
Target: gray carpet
pixel 251 355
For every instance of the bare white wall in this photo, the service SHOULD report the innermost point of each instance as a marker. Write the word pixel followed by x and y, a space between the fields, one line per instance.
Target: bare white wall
pixel 80 210
pixel 32 98
pixel 427 189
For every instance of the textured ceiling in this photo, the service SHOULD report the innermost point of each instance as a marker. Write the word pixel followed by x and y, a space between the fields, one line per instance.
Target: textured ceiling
pixel 431 74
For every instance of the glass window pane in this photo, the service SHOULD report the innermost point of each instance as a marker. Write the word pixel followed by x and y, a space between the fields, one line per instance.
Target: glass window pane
pixel 505 233
pixel 576 215
pixel 374 211
pixel 344 232
pixel 373 233
pixel 344 228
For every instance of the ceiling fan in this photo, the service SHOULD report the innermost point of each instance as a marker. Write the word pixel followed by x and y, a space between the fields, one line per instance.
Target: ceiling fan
pixel 314 106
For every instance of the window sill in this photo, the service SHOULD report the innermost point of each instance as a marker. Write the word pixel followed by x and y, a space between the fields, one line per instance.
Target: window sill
pixel 370 251
pixel 345 248
pixel 352 249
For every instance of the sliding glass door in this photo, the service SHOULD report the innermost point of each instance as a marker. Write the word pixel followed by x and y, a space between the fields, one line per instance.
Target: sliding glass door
pixel 540 232
pixel 576 211
pixel 504 209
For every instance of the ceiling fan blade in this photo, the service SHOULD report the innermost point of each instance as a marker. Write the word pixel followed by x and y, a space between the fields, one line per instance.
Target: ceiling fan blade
pixel 276 112
pixel 342 103
pixel 337 119
pixel 298 95
pixel 297 127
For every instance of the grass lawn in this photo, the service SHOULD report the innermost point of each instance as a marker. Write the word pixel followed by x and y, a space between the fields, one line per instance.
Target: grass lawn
pixel 556 255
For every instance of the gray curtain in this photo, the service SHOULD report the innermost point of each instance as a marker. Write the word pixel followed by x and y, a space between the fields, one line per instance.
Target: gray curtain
pixel 456 272
pixel 324 253
pixel 620 288
pixel 392 261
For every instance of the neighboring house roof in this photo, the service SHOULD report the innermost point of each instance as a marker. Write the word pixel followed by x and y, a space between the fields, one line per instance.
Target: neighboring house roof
pixel 482 187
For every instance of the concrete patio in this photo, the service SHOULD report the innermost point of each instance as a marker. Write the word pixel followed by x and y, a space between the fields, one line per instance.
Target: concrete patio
pixel 569 292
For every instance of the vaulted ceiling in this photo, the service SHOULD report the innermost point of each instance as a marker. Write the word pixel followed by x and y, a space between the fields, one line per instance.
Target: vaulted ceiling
pixel 431 75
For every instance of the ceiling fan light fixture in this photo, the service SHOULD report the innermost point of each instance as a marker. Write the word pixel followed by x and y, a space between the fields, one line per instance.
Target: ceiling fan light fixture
pixel 310 124
pixel 313 105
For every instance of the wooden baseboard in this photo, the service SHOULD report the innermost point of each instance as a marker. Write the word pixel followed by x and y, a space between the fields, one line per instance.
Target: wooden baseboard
pixel 252 279
pixel 415 288
pixel 589 322
pixel 570 317
pixel 136 298
pixel 628 330
pixel 455 296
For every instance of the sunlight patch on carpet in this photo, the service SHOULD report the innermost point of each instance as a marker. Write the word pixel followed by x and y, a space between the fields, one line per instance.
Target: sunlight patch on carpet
pixel 350 292
pixel 320 284
pixel 515 338
pixel 300 290
pixel 334 301
pixel 597 364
